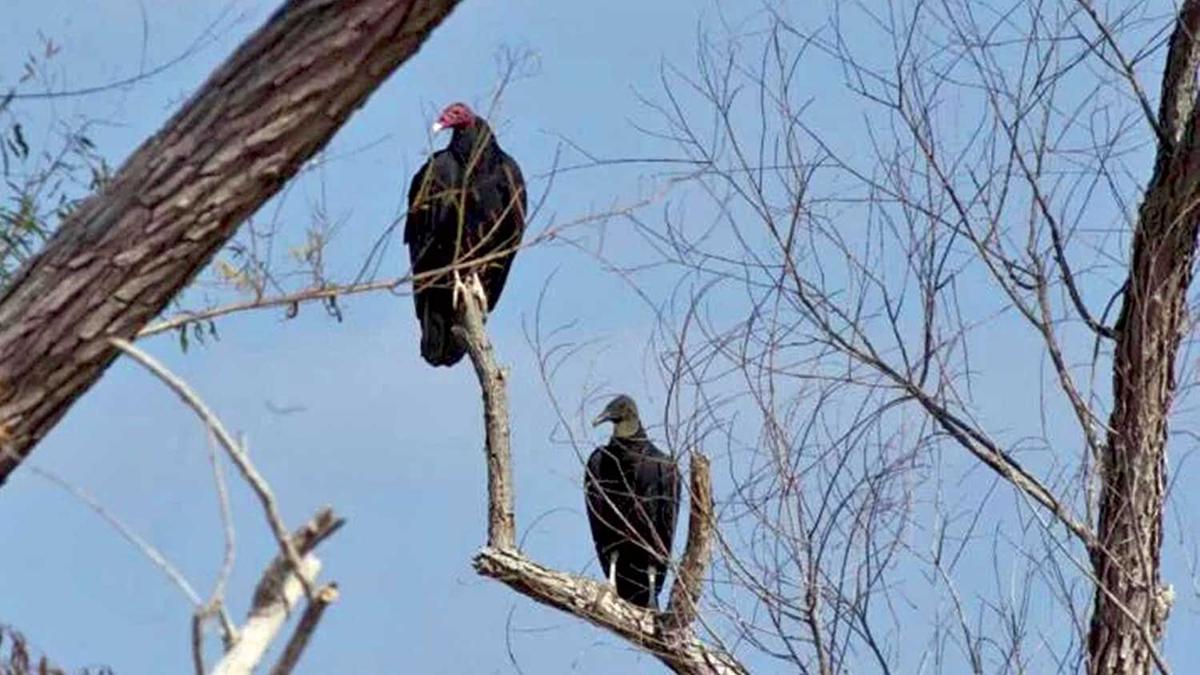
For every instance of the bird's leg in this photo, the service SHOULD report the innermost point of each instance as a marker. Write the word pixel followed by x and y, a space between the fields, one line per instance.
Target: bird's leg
pixel 459 288
pixel 653 590
pixel 612 570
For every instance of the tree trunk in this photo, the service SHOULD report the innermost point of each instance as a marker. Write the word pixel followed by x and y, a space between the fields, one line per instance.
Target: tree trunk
pixel 117 261
pixel 1130 606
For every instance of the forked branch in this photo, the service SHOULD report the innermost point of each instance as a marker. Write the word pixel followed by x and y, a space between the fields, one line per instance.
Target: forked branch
pixel 277 594
pixel 668 636
pixel 290 575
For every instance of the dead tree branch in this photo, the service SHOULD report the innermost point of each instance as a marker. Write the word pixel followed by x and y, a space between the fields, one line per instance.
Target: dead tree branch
pixel 685 594
pixel 184 319
pixel 671 639
pixel 502 526
pixel 277 593
pixel 305 629
pixel 147 549
pixel 294 571
pixel 115 263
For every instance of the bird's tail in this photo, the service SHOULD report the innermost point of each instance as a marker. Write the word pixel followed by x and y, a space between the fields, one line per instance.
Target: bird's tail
pixel 439 345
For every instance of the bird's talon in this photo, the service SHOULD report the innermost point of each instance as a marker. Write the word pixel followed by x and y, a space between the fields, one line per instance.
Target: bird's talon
pixel 457 291
pixel 476 287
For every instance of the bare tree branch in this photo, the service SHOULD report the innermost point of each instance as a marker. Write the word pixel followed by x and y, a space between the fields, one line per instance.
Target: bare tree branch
pixel 286 300
pixel 266 620
pixel 502 525
pixel 693 567
pixel 305 629
pixel 147 549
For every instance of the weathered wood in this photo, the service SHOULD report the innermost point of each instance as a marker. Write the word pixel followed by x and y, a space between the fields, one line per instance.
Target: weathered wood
pixel 689 578
pixel 597 603
pixel 502 522
pixel 116 262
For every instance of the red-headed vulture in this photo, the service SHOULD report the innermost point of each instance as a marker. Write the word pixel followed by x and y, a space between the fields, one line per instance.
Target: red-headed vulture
pixel 466 215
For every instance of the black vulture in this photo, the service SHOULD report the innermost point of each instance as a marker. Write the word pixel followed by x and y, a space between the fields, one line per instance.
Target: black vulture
pixel 466 215
pixel 632 495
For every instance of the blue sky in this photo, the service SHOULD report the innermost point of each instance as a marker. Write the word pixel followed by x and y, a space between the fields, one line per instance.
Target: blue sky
pixel 393 444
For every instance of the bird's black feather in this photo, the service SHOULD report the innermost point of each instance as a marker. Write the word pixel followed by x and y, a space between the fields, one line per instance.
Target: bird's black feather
pixel 466 210
pixel 632 494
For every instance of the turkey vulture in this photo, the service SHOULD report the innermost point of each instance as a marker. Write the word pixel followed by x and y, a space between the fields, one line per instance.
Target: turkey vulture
pixel 466 215
pixel 632 495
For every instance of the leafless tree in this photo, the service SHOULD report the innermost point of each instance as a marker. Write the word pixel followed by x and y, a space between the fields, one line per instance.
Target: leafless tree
pixel 855 251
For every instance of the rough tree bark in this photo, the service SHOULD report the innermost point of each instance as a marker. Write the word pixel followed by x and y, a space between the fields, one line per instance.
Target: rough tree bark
pixel 118 260
pixel 1131 605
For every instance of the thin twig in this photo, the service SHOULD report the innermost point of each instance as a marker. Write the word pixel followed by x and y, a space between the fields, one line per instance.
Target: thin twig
pixel 198 643
pixel 235 451
pixel 132 537
pixel 217 600
pixel 307 295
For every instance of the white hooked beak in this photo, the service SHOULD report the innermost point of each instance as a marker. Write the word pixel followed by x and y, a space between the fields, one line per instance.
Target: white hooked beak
pixel 437 126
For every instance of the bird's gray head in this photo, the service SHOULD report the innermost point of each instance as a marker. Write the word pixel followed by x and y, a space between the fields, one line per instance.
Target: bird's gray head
pixel 455 116
pixel 623 413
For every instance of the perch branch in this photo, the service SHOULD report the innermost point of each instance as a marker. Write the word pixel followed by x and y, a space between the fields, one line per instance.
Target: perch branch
pixel 595 602
pixel 671 639
pixel 502 525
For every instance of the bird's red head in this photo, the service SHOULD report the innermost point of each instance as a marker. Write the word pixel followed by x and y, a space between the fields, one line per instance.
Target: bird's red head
pixel 455 116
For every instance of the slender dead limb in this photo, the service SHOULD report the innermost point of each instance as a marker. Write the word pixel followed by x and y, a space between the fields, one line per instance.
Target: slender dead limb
pixel 689 578
pixel 147 549
pixel 235 450
pixel 216 600
pixel 198 643
pixel 184 319
pixel 502 525
pixel 305 629
pixel 671 639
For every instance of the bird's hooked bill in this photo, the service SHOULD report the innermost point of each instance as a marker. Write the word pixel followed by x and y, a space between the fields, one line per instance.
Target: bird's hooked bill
pixel 437 126
pixel 601 419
